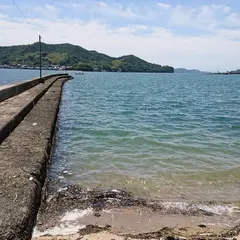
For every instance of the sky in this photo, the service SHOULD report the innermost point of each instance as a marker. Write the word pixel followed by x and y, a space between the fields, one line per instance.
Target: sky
pixel 197 34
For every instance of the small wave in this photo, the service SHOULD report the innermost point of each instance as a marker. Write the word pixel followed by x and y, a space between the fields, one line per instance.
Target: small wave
pixel 73 196
pixel 68 224
pixel 67 208
pixel 216 209
pixel 220 209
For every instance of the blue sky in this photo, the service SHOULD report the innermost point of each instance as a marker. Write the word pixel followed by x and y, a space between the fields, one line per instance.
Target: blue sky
pixel 191 34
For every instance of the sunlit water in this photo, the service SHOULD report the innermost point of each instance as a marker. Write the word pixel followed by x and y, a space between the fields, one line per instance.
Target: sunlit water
pixel 164 136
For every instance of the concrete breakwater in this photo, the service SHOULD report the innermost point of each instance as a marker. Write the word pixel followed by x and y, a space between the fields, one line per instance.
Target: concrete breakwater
pixel 28 113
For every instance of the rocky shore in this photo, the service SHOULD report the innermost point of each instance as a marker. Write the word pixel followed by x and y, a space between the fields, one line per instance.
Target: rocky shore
pixel 77 213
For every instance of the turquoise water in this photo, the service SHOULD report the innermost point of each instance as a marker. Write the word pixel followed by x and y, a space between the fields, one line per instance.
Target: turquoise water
pixel 164 136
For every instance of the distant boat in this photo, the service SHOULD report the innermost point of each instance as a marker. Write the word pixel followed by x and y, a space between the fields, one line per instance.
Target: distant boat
pixel 79 73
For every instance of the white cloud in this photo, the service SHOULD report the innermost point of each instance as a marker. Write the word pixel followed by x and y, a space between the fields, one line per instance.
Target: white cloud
pixel 196 17
pixel 216 48
pixel 3 16
pixel 46 11
pixel 118 10
pixel 52 9
pixel 164 5
pixel 106 9
pixel 203 17
pixel 161 46
pixel 233 19
pixel 133 29
pixel 181 15
pixel 5 7
pixel 233 34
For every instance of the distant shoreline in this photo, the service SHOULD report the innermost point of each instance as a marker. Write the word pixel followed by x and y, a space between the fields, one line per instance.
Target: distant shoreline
pixel 227 73
pixel 73 70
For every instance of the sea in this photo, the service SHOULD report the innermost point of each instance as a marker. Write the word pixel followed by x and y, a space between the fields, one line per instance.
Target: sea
pixel 170 137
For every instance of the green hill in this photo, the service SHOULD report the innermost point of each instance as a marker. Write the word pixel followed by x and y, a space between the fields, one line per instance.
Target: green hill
pixel 235 72
pixel 184 70
pixel 75 58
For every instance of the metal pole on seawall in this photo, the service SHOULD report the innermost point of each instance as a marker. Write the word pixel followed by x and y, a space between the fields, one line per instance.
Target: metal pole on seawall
pixel 40 59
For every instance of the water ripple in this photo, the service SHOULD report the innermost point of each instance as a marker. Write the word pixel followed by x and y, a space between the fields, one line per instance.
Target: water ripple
pixel 159 135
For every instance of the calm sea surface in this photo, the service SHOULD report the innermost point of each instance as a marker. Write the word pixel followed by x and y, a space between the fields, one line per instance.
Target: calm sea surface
pixel 164 136
pixel 9 76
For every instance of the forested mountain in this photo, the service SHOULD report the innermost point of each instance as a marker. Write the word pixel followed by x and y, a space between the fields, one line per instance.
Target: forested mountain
pixel 74 57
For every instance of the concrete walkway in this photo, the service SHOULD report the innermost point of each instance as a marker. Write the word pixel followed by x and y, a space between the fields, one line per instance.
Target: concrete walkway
pixel 15 108
pixel 24 157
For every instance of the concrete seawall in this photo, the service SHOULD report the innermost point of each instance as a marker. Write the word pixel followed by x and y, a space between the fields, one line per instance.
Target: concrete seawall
pixel 21 97
pixel 12 90
pixel 25 153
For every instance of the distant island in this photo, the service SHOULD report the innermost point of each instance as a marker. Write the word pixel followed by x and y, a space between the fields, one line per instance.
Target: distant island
pixel 71 57
pixel 229 72
pixel 184 70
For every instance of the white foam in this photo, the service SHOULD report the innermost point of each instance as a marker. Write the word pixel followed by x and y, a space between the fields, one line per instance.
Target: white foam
pixel 76 215
pixel 62 189
pixel 68 224
pixel 178 205
pixel 219 209
pixel 115 190
pixel 107 211
pixel 61 230
pixel 215 209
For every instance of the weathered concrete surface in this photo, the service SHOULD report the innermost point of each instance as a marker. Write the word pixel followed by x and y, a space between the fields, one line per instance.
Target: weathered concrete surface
pixel 14 109
pixel 12 90
pixel 24 157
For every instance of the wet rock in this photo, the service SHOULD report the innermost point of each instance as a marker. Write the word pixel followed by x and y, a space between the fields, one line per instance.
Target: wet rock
pixel 76 197
pixel 92 229
pixel 97 214
pixel 163 233
pixel 183 229
pixel 233 232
